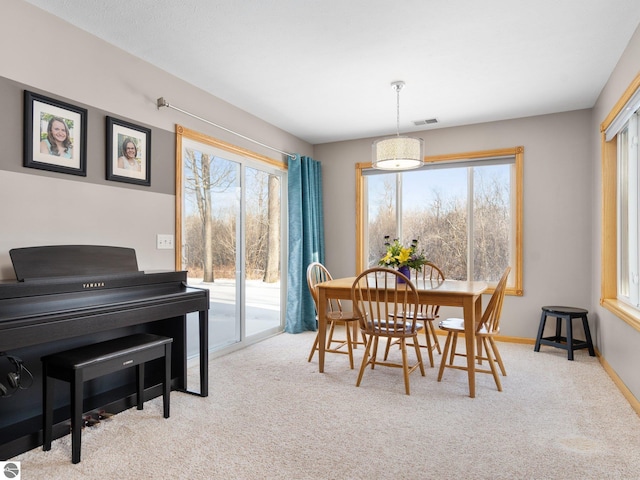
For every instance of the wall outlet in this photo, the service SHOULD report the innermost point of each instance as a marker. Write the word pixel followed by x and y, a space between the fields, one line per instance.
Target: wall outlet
pixel 164 241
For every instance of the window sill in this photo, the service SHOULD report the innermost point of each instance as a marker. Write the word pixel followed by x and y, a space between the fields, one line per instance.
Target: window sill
pixel 623 311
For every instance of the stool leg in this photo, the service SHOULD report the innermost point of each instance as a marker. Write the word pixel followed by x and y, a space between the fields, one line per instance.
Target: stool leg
pixel 543 320
pixel 570 337
pixel 47 414
pixel 587 333
pixel 558 328
pixel 76 415
pixel 166 385
pixel 140 385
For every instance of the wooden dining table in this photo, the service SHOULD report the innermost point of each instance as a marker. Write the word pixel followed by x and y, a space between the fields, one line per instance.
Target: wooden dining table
pixel 454 293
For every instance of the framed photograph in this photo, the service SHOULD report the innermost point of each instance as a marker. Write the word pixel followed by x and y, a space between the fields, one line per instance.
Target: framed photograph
pixel 128 152
pixel 55 135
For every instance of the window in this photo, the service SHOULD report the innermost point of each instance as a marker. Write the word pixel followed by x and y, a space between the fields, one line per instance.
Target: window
pixel 620 285
pixel 465 210
pixel 627 200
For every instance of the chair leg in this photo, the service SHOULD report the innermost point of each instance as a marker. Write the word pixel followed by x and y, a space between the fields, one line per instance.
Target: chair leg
pixel 454 345
pixel 479 350
pixel 496 354
pixel 427 336
pixel 387 348
pixel 419 354
pixel 432 329
pixel 492 363
pixel 313 349
pixel 374 353
pixel 405 366
pixel 356 334
pixel 330 334
pixel 443 362
pixel 365 360
pixel 349 344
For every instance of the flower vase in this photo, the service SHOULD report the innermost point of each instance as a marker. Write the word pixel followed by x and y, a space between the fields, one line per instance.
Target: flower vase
pixel 406 272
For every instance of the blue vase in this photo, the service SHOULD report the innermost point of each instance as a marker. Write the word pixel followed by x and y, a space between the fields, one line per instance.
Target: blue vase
pixel 406 272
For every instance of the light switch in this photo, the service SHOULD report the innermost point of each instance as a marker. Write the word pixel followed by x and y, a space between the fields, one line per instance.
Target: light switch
pixel 164 241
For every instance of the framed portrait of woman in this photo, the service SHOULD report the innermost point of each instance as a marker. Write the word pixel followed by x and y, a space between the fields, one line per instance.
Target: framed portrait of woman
pixel 128 152
pixel 55 135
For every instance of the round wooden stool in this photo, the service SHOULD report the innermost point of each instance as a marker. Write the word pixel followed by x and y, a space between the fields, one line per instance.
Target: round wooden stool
pixel 567 343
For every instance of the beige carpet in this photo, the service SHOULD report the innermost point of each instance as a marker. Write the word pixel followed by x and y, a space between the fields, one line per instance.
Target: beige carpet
pixel 271 415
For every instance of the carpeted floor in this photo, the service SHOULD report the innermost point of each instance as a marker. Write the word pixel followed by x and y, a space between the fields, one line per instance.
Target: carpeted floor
pixel 271 415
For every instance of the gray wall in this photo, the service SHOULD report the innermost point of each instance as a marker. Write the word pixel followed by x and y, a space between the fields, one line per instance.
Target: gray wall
pixel 45 208
pixel 562 188
pixel 618 342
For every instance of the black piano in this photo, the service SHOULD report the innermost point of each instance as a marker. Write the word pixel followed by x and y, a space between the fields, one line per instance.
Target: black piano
pixel 73 295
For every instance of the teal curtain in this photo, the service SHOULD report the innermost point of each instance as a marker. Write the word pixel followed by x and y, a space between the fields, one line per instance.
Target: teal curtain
pixel 306 240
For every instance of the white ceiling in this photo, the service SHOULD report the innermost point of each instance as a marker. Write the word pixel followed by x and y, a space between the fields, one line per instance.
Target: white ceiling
pixel 322 69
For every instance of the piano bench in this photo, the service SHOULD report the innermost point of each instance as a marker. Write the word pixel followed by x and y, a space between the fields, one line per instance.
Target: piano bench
pixel 92 361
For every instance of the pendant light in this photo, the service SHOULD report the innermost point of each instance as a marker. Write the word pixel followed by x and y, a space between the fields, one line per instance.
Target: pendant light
pixel 399 152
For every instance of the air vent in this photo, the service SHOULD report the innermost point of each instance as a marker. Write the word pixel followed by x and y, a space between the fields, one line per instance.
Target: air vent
pixel 428 121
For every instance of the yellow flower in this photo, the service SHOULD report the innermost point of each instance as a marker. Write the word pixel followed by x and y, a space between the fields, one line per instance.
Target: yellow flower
pixel 399 256
pixel 387 258
pixel 404 255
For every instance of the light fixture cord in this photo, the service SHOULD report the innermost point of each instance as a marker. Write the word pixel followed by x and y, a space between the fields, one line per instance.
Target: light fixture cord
pixel 397 110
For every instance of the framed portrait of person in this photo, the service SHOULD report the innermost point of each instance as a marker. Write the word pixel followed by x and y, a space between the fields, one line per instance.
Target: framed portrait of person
pixel 55 135
pixel 128 152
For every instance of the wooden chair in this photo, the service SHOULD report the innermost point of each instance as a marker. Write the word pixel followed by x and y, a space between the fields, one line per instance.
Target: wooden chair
pixel 486 329
pixel 318 273
pixel 378 298
pixel 427 313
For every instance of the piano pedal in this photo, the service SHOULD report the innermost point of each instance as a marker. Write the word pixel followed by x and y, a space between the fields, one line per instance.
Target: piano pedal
pixel 89 421
pixel 102 415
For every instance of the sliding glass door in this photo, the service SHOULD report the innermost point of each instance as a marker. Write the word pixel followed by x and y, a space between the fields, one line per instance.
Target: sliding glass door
pixel 231 240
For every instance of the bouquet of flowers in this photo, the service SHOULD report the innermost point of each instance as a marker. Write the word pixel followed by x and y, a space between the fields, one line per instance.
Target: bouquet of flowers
pixel 400 256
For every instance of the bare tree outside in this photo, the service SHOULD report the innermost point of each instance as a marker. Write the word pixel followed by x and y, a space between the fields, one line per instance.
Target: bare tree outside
pixel 205 176
pixel 211 224
pixel 272 268
pixel 439 220
pixel 262 226
pixel 492 227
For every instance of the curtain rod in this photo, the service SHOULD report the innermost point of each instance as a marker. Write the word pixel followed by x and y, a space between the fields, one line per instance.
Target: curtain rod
pixel 163 103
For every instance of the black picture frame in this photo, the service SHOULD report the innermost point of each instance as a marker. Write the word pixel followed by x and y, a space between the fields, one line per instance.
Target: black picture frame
pixel 45 149
pixel 119 167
